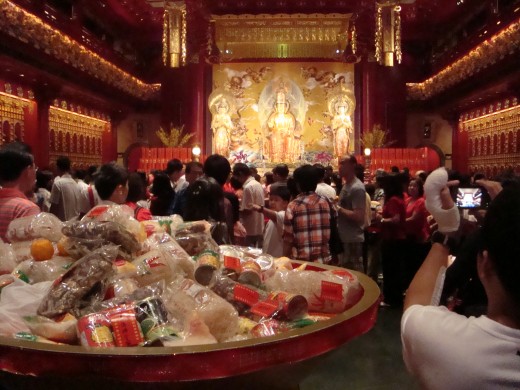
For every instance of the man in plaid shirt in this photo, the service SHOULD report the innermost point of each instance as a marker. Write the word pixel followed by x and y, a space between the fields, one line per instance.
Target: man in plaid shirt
pixel 307 220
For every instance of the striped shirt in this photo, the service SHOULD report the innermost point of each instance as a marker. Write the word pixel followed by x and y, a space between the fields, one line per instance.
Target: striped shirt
pixel 307 227
pixel 14 204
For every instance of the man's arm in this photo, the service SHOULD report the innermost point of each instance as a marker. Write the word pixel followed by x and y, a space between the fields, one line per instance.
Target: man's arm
pixel 357 214
pixel 271 214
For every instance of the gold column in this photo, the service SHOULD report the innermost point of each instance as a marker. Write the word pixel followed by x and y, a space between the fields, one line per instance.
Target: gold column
pixel 174 34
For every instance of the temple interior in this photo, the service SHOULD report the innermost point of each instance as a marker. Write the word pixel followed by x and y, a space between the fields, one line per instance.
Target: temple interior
pixel 261 82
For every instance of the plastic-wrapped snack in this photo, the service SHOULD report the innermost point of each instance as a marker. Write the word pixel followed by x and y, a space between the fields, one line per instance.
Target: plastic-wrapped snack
pixel 169 224
pixel 196 332
pixel 155 323
pixel 61 330
pixel 153 266
pixel 27 336
pixel 82 282
pixel 42 225
pixel 125 327
pixel 120 214
pixel 94 231
pixel 22 250
pixel 260 304
pixel 183 296
pixel 7 258
pixel 182 262
pixel 325 291
pixel 187 228
pixel 41 271
pixel 207 264
pixel 196 243
pixel 121 287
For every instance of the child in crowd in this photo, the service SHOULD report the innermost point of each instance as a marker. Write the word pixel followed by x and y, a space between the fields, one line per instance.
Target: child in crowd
pixel 273 233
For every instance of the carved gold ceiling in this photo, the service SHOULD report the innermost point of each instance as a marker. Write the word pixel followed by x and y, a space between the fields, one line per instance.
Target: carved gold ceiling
pixel 281 36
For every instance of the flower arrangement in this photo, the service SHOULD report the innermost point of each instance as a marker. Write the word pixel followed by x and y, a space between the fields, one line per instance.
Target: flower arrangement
pixel 376 138
pixel 174 137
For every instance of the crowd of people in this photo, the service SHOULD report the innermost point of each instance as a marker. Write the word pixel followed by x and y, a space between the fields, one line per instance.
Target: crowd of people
pixel 317 215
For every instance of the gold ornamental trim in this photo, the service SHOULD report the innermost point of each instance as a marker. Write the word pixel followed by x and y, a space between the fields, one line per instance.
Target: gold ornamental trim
pixel 32 30
pixel 490 51
pixel 281 35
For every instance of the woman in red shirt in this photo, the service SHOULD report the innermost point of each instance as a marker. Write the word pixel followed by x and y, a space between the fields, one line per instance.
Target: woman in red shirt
pixel 393 235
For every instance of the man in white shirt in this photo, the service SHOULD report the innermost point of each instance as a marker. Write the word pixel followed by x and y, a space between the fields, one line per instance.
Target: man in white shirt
pixel 323 188
pixel 66 198
pixel 253 194
pixel 445 350
pixel 175 171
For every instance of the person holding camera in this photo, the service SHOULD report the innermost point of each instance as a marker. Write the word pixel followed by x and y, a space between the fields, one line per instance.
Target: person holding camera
pixel 443 349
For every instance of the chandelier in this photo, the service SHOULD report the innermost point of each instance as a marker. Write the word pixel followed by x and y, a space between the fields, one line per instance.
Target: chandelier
pixel 388 32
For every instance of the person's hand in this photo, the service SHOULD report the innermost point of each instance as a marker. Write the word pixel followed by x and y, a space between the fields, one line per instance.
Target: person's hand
pixel 439 202
pixel 492 187
pixel 258 208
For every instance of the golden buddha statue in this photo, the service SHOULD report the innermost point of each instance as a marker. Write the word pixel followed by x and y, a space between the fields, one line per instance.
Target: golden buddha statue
pixel 341 108
pixel 222 126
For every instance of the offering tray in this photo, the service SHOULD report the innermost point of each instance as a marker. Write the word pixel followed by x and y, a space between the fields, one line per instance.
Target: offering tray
pixel 279 361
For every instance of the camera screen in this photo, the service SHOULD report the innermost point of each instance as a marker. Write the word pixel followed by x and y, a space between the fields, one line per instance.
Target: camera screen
pixel 469 198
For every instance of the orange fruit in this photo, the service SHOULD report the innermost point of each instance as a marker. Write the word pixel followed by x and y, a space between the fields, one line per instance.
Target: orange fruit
pixel 62 251
pixel 42 249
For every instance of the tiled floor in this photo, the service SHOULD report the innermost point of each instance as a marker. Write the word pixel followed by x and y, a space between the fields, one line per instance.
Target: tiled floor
pixel 372 361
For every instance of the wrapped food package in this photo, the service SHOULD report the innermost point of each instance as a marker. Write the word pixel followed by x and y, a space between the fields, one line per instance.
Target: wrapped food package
pixel 196 332
pixel 81 284
pixel 325 291
pixel 184 296
pixel 120 214
pixel 42 225
pixel 88 234
pixel 181 262
pixel 60 330
pixel 8 261
pixel 169 224
pixel 187 228
pixel 41 271
pixel 17 300
pixel 195 243
pixel 154 266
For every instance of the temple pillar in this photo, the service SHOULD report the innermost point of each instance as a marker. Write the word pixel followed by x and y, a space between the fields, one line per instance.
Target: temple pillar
pixel 44 96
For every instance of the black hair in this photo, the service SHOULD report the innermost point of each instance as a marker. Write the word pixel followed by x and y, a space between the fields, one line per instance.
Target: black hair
pixel 359 171
pixel 394 169
pixel 241 169
pixel 136 187
pixel 235 183
pixel 161 186
pixel 108 178
pixel 291 186
pixel 269 178
pixel 338 182
pixel 63 163
pixel 392 186
pixel 43 178
pixel 501 238
pixel 423 176
pixel 217 167
pixel 91 172
pixel 370 190
pixel 204 200
pixel 15 157
pixel 281 170
pixel 174 165
pixel 191 165
pixel 80 174
pixel 306 177
pixel 281 191
pixel 320 170
pixel 350 158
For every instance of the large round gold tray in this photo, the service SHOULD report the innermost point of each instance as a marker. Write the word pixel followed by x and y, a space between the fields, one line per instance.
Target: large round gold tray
pixel 272 357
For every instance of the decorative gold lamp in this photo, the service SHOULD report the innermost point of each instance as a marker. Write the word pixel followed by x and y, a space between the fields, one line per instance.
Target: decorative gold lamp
pixel 388 32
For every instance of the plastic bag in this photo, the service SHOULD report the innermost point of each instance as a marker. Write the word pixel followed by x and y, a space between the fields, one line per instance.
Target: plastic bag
pixel 154 266
pixel 17 300
pixel 81 284
pixel 41 271
pixel 22 250
pixel 7 258
pixel 184 296
pixel 86 235
pixel 61 331
pixel 324 291
pixel 121 214
pixel 42 225
pixel 181 262
pixel 196 243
